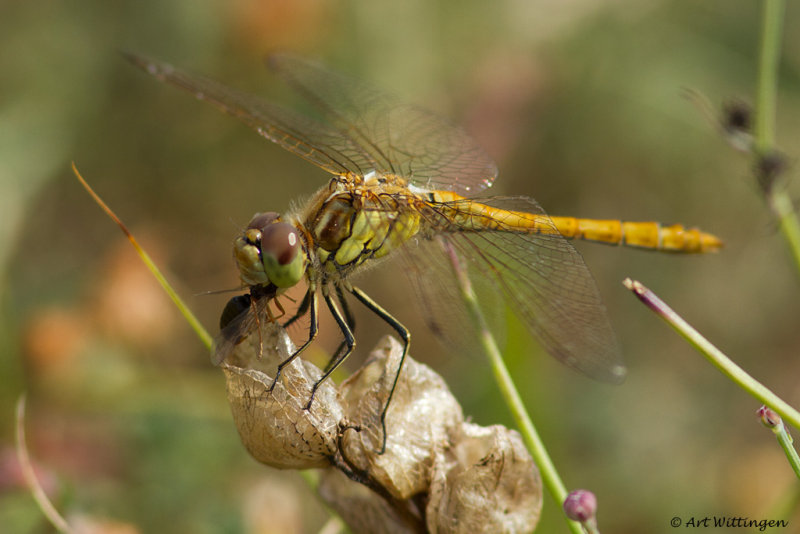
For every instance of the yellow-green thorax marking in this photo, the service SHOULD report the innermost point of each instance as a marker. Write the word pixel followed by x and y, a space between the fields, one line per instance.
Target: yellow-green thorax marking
pixel 352 223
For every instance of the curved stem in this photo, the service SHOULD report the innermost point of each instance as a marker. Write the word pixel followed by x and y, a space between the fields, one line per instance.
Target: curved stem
pixel 550 477
pixel 713 354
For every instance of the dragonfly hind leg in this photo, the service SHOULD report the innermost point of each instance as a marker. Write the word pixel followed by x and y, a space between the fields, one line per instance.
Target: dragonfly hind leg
pixel 346 323
pixel 301 310
pixel 403 332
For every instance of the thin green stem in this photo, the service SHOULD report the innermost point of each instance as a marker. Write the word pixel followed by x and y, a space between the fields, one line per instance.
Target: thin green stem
pixel 713 354
pixel 784 210
pixel 765 112
pixel 533 441
pixel 788 447
pixel 773 421
pixel 769 59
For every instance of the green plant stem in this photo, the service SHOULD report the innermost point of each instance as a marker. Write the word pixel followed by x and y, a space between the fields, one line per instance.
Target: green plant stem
pixel 765 112
pixel 769 59
pixel 785 441
pixel 784 210
pixel 713 354
pixel 533 441
pixel 550 476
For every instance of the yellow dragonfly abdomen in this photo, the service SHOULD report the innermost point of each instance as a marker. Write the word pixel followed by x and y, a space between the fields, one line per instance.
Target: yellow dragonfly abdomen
pixel 476 216
pixel 650 235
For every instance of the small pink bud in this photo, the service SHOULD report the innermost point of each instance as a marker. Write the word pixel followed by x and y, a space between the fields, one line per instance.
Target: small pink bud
pixel 769 417
pixel 580 505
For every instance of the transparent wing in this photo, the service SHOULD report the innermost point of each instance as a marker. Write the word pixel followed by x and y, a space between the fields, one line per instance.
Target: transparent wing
pixel 367 130
pixel 315 141
pixel 540 276
pixel 395 137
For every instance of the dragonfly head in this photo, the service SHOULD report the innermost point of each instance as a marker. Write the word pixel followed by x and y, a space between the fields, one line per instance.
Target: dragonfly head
pixel 270 251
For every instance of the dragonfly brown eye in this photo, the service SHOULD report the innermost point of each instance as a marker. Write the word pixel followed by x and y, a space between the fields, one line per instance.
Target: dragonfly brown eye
pixel 282 254
pixel 280 240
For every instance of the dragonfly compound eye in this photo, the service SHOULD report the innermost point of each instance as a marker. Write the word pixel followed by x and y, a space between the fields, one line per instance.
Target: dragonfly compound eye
pixel 282 254
pixel 247 250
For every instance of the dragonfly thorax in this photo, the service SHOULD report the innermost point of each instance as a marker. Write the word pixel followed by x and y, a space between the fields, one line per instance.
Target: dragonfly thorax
pixel 270 251
pixel 350 227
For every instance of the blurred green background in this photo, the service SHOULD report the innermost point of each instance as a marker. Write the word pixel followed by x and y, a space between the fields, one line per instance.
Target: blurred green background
pixel 579 103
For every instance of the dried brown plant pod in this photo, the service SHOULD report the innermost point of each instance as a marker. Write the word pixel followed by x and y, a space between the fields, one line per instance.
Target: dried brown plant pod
pixel 485 482
pixel 438 473
pixel 422 418
pixel 273 424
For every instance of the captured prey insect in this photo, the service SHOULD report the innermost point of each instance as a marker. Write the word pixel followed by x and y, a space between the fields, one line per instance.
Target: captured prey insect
pixel 406 180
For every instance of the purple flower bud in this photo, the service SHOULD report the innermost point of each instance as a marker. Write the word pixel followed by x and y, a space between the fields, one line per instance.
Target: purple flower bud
pixel 769 417
pixel 580 505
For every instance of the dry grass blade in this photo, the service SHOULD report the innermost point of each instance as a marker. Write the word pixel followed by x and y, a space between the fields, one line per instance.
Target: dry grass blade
pixel 201 332
pixel 28 472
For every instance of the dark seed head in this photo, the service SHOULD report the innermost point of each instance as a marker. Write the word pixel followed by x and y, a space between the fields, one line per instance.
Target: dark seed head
pixel 737 116
pixel 236 306
pixel 769 168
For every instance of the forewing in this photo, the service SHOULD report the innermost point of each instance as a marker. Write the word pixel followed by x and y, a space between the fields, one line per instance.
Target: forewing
pixel 540 276
pixel 395 137
pixel 315 141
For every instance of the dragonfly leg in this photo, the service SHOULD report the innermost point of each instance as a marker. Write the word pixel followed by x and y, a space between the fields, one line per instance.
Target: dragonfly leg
pixel 301 310
pixel 349 340
pixel 312 333
pixel 402 331
pixel 351 322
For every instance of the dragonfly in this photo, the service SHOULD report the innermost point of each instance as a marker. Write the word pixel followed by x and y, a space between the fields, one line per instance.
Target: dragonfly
pixel 406 182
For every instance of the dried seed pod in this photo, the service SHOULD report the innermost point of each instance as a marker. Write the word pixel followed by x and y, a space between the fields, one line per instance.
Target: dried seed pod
pixel 437 474
pixel 486 482
pixel 364 510
pixel 274 425
pixel 421 418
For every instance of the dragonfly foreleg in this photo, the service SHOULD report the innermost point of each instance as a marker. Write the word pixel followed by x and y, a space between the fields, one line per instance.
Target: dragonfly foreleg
pixel 301 310
pixel 312 333
pixel 402 331
pixel 349 340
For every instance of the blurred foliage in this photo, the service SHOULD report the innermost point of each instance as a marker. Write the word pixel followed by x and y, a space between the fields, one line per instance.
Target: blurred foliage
pixel 579 102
